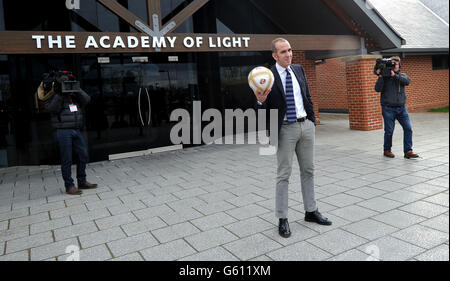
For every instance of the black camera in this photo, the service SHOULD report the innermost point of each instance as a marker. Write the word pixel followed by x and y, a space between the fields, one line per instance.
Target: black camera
pixel 385 65
pixel 61 82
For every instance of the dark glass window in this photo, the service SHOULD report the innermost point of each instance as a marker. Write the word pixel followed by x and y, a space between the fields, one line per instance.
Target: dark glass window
pixel 440 62
pixel 36 15
pixel 2 17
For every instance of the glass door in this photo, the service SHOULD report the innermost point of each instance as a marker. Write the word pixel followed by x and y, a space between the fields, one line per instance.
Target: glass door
pixel 132 97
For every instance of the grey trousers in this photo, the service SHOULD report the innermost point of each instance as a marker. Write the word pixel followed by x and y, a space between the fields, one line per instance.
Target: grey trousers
pixel 295 138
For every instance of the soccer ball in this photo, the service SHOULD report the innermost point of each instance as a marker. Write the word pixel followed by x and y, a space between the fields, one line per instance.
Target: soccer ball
pixel 260 78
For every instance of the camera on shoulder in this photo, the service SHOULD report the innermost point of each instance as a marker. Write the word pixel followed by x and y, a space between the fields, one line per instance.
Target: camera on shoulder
pixel 385 66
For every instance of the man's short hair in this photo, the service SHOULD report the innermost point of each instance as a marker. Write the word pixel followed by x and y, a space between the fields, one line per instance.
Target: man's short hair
pixel 275 41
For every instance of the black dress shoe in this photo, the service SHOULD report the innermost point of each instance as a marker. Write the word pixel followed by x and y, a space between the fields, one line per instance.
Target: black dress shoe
pixel 283 228
pixel 87 185
pixel 317 217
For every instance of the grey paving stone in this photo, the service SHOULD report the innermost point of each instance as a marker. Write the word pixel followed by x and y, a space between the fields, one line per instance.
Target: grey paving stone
pixel 29 242
pixel 373 177
pixel 129 257
pixel 370 229
pixel 245 199
pixel 52 250
pixel 214 207
pixel 439 253
pixel 168 252
pixel 82 200
pixel 142 226
pixel 261 258
pixel 353 213
pixel 75 230
pixel 399 219
pixel 301 251
pixel 112 194
pixel 424 209
pixel 20 203
pixel 380 204
pixel 49 225
pixel 409 179
pixel 132 244
pixel 151 212
pixel 344 175
pixel 213 221
pixel 214 254
pixel 391 249
pixel 113 221
pixel 239 191
pixel 353 183
pixel 252 246
pixel 388 185
pixel 331 189
pixel 18 256
pixel 46 207
pixel 217 196
pixel 101 237
pixel 442 181
pixel 298 233
pixel 183 204
pixel 440 199
pixel 422 236
pixel 336 241
pixel 13 223
pixel 159 200
pixel 427 189
pixel 126 208
pixel 181 215
pixel 440 223
pixel 14 233
pixel 341 200
pixel 189 193
pixel 85 216
pixel 210 239
pixel 175 232
pixel 103 204
pixel 249 226
pixel 248 211
pixel 352 255
pixel 3 225
pixel 68 211
pixel 404 196
pixel 97 253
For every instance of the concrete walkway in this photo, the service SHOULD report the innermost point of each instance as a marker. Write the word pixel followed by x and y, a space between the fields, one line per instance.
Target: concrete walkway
pixel 216 203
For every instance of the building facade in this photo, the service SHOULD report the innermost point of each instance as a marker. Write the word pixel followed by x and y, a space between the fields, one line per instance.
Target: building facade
pixel 135 80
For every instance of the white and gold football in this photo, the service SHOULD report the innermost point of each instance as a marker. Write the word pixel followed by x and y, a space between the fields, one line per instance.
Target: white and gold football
pixel 260 78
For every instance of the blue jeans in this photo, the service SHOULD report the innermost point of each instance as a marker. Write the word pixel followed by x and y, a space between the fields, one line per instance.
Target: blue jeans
pixel 67 140
pixel 390 114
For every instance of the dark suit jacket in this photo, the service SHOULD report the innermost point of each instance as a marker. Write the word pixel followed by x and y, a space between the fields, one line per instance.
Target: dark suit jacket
pixel 277 99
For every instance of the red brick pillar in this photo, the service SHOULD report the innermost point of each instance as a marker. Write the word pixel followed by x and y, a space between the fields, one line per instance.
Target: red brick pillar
pixel 310 71
pixel 363 102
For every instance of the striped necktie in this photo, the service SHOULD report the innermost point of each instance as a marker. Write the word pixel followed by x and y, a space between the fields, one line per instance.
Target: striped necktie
pixel 291 114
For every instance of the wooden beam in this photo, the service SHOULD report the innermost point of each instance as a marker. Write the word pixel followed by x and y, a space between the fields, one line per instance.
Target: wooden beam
pixel 154 8
pixel 177 20
pixel 21 42
pixel 126 15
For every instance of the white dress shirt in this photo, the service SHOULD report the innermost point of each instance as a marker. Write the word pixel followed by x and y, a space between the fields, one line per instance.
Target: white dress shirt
pixel 299 108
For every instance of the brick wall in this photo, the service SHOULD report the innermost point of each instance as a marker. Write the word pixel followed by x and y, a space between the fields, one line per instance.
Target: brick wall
pixel 428 89
pixel 310 70
pixel 363 102
pixel 332 84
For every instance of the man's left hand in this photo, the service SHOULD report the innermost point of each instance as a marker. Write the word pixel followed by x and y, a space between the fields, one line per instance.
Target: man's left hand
pixel 392 73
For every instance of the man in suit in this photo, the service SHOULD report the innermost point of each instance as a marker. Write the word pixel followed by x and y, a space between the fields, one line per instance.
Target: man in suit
pixel 296 132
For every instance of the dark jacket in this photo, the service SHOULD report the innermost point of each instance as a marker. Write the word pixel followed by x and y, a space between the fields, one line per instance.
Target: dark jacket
pixel 393 89
pixel 62 117
pixel 277 99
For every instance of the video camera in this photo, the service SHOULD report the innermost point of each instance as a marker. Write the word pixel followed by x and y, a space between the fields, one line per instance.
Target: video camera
pixel 385 65
pixel 60 82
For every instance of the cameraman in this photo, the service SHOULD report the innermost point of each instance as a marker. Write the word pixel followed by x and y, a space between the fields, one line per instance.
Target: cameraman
pixel 393 100
pixel 67 119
